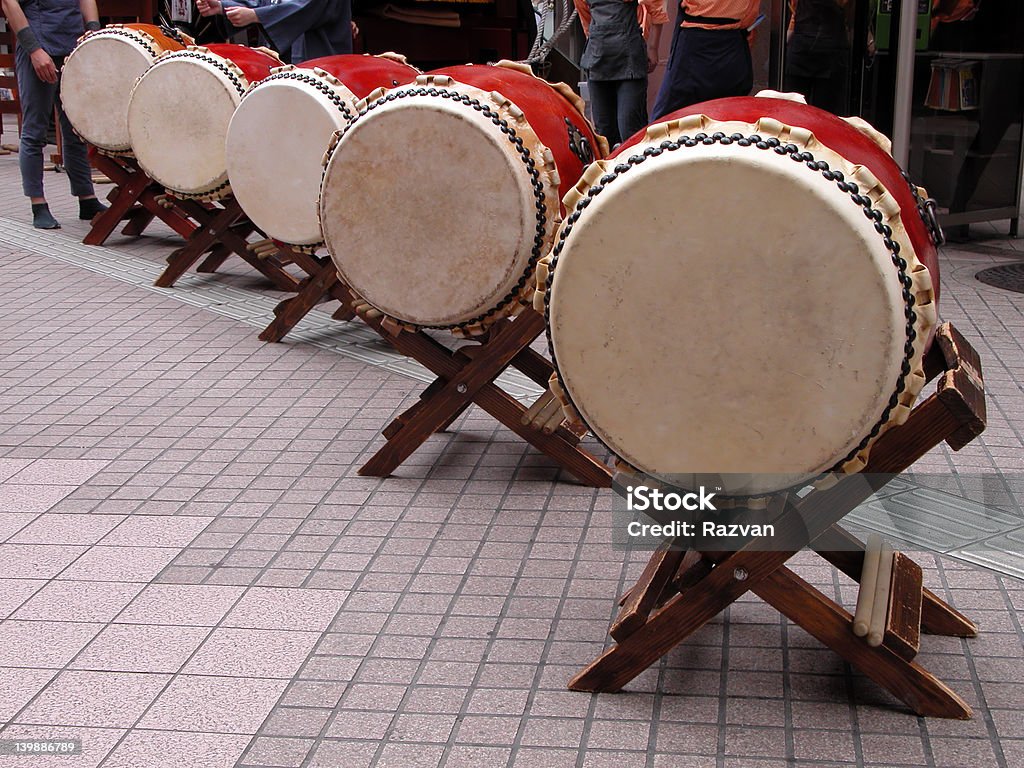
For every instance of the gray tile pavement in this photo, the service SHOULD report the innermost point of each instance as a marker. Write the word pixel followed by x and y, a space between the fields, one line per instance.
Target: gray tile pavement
pixel 193 574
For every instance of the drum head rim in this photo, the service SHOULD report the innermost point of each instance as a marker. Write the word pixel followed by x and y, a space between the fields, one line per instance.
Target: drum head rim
pixel 257 189
pixel 919 305
pixel 531 152
pixel 225 74
pixel 139 41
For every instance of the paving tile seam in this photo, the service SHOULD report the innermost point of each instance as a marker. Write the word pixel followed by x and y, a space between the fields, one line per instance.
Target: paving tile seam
pixel 322 735
pixel 251 308
pixel 976 683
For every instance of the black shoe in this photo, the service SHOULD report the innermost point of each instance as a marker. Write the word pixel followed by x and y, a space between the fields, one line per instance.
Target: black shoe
pixel 42 218
pixel 89 208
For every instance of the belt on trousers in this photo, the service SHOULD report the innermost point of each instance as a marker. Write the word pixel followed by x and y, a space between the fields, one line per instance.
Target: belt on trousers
pixel 714 20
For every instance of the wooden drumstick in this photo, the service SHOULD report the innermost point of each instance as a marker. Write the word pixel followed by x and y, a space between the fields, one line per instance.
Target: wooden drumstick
pixel 550 417
pixel 880 609
pixel 538 405
pixel 868 577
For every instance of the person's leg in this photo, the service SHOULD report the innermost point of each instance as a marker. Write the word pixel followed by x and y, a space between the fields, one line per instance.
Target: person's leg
pixel 76 163
pixel 604 106
pixel 664 98
pixel 37 99
pixel 632 107
pixel 801 84
pixel 833 94
pixel 675 91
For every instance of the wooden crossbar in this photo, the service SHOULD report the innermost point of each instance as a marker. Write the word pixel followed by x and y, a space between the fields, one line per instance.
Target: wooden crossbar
pixel 223 231
pixel 135 199
pixel 466 376
pixel 320 284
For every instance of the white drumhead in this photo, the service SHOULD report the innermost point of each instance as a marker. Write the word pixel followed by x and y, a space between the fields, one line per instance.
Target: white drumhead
pixel 275 148
pixel 718 310
pixel 428 211
pixel 96 84
pixel 178 117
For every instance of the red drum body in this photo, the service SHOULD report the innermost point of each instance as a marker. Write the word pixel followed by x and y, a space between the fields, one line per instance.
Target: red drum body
pixel 97 79
pixel 855 140
pixel 742 296
pixel 478 201
pixel 544 104
pixel 255 64
pixel 278 135
pixel 179 112
pixel 364 74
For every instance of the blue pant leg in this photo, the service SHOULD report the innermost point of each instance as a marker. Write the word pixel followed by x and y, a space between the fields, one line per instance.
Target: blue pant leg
pixel 677 88
pixel 632 111
pixel 706 64
pixel 76 156
pixel 665 98
pixel 604 106
pixel 37 99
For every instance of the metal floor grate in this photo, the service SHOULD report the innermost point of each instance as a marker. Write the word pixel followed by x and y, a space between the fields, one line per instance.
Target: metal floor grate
pixel 1009 277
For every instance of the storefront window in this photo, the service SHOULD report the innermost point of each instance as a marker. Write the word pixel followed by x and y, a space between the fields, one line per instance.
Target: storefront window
pixel 968 89
pixel 968 106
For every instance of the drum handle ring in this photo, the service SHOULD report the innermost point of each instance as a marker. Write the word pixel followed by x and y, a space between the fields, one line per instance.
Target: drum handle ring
pixel 927 208
pixel 931 220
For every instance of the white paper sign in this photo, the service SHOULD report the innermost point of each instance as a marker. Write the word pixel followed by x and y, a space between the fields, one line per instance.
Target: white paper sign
pixel 181 10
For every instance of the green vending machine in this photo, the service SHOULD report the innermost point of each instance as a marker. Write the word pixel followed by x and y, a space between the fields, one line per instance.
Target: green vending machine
pixel 884 24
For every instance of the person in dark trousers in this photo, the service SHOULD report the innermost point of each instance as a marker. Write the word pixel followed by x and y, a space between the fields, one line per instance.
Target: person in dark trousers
pixel 818 52
pixel 618 61
pixel 47 31
pixel 297 29
pixel 710 57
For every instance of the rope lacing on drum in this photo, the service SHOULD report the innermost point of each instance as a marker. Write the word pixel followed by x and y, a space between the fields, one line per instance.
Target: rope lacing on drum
pixel 808 160
pixel 220 64
pixel 316 82
pixel 136 37
pixel 215 61
pixel 531 167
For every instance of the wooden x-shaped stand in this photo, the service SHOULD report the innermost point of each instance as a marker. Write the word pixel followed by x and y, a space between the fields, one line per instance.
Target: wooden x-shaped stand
pixel 680 591
pixel 223 230
pixel 320 284
pixel 466 376
pixel 215 230
pixel 135 198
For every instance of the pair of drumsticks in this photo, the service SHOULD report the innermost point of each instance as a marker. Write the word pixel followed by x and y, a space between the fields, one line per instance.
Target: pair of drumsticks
pixel 873 599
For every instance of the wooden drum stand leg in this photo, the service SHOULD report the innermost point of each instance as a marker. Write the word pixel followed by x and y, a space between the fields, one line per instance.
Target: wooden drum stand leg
pixel 680 591
pixel 466 376
pixel 135 198
pixel 224 230
pixel 321 284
